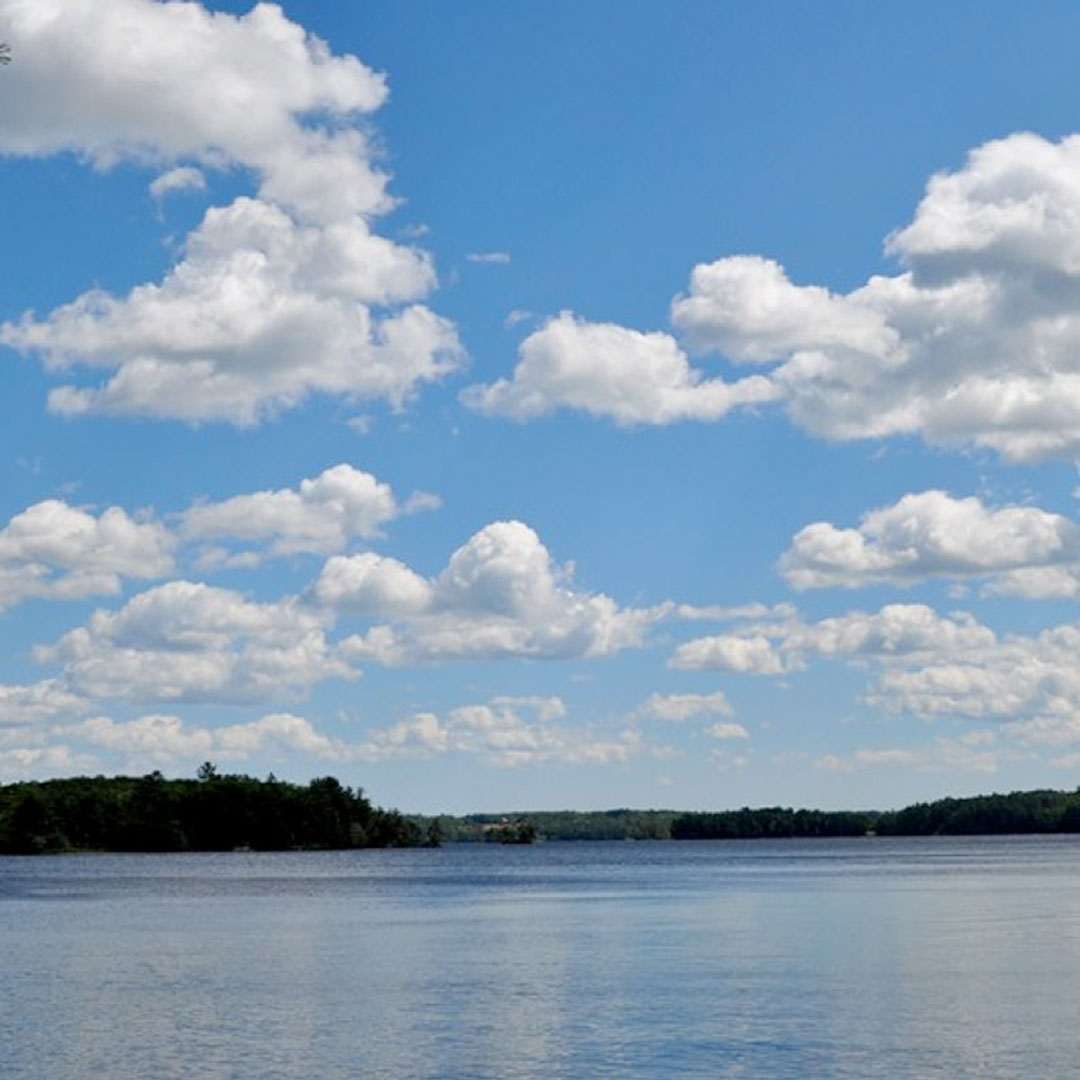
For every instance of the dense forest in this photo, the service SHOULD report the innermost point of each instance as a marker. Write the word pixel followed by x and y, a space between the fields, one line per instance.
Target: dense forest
pixel 771 822
pixel 1017 812
pixel 225 813
pixel 212 813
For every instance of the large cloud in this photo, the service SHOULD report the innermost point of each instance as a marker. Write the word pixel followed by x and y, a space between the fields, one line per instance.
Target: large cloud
pixel 165 740
pixel 185 641
pixel 783 645
pixel 501 594
pixel 609 371
pixel 56 551
pixel 260 314
pixel 1019 549
pixel 370 584
pixel 28 705
pixel 160 82
pixel 507 732
pixel 323 514
pixel 273 300
pixel 976 342
pixel 925 665
pixel 61 552
pixel 37 762
pixel 1030 681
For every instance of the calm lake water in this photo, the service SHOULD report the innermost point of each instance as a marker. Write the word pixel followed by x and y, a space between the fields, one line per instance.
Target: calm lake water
pixel 862 958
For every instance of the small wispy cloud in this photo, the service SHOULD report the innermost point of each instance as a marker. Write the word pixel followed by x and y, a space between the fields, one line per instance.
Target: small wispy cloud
pixel 518 315
pixel 488 257
pixel 184 178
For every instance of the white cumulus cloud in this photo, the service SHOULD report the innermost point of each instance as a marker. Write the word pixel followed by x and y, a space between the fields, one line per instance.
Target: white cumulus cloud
pixel 275 297
pixel 679 707
pixel 500 595
pixel 749 654
pixel 261 313
pixel 975 342
pixel 610 371
pixel 163 740
pixel 924 665
pixel 932 534
pixel 162 82
pixel 369 584
pixel 31 704
pixel 56 551
pixel 37 762
pixel 507 732
pixel 186 641
pixel 323 514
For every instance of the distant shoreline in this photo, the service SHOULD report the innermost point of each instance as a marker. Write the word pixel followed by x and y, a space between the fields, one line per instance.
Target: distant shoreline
pixel 236 812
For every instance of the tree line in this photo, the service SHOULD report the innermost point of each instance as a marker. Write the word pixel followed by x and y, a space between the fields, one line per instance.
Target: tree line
pixel 770 823
pixel 554 825
pixel 211 813
pixel 1017 812
pixel 224 813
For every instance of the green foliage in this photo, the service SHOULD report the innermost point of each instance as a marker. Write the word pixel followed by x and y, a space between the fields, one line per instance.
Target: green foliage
pixel 213 813
pixel 516 832
pixel 1018 812
pixel 226 812
pixel 773 822
pixel 557 825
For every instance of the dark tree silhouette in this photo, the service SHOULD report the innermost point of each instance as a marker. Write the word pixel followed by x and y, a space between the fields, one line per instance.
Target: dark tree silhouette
pixel 215 813
pixel 5 53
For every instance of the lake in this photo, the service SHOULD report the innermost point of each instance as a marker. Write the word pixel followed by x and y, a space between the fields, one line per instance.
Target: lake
pixel 876 957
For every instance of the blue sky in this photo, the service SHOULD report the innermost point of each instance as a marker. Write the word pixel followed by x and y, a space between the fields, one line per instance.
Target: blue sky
pixel 533 406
